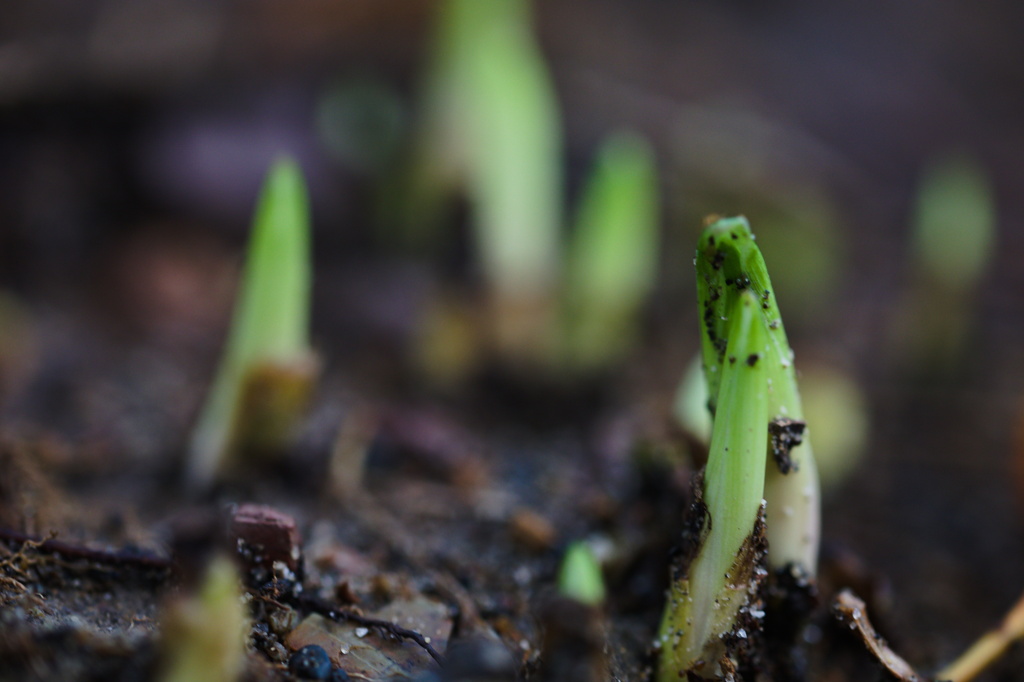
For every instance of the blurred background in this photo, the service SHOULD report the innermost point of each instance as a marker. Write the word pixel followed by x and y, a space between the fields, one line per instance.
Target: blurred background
pixel 876 148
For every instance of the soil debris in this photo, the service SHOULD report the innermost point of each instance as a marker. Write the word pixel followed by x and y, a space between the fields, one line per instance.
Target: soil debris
pixel 437 443
pixel 574 642
pixel 784 435
pixel 791 597
pixel 29 501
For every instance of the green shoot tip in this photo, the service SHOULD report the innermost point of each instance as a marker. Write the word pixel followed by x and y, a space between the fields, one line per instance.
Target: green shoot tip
pixel 580 577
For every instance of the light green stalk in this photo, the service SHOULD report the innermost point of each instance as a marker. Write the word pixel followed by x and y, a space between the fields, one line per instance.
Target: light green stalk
pixel 729 265
pixel 267 363
pixel 954 239
pixel 492 130
pixel 203 635
pixel 703 604
pixel 954 222
pixel 580 577
pixel 494 124
pixel 612 261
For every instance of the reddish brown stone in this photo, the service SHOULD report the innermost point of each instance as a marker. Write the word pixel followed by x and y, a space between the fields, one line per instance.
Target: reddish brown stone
pixel 266 536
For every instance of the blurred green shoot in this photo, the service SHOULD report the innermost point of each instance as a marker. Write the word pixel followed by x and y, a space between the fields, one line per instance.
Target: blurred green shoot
pixel 612 261
pixel 729 265
pixel 954 222
pixel 835 404
pixel 575 641
pixel 492 129
pixel 203 634
pixel 690 407
pixel 580 577
pixel 954 232
pixel 724 155
pixel 267 370
pixel 704 600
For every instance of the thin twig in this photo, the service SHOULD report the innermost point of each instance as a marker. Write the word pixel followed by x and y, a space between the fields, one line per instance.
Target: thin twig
pixel 343 616
pixel 986 650
pixel 115 558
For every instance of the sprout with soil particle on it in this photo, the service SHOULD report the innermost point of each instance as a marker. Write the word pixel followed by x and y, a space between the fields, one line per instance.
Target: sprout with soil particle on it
pixel 728 265
pixel 747 496
pixel 267 371
pixel 706 596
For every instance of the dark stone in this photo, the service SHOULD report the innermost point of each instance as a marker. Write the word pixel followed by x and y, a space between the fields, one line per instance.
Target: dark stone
pixel 310 663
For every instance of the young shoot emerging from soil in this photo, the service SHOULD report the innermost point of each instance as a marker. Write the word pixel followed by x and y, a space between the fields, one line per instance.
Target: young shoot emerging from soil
pixel 580 577
pixel 705 600
pixel 729 264
pixel 267 370
pixel 492 128
pixel 755 485
pixel 612 261
pixel 203 634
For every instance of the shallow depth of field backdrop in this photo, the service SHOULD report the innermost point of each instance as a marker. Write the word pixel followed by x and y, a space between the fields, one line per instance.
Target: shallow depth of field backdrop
pixel 134 136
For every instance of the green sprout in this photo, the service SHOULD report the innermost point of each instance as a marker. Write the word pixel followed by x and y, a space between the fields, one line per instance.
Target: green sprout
pixel 954 236
pixel 729 264
pixel 492 128
pixel 612 259
pixel 574 644
pixel 753 398
pixel 580 577
pixel 203 634
pixel 954 221
pixel 705 600
pixel 267 370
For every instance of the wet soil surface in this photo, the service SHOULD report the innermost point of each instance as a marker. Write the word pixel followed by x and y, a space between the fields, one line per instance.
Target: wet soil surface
pixel 454 526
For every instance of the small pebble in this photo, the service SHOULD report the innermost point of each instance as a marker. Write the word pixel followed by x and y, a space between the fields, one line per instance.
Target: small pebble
pixel 276 652
pixel 532 530
pixel 268 536
pixel 311 663
pixel 282 621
